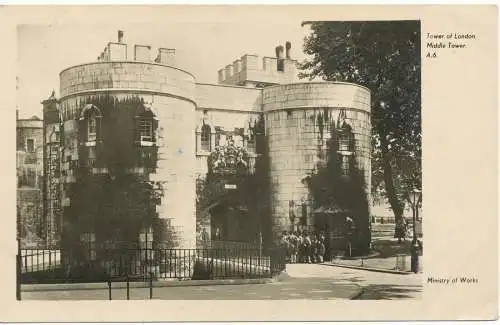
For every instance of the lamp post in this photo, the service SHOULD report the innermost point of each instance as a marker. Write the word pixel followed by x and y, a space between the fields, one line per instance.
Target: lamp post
pixel 291 215
pixel 414 197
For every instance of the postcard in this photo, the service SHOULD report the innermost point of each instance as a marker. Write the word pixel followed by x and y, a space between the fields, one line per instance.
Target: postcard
pixel 250 163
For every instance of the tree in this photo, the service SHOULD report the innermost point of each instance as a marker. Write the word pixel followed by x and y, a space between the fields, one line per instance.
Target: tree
pixel 384 57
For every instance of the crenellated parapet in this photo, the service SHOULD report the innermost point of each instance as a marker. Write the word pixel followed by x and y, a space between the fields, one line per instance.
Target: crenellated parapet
pixel 255 71
pixel 117 51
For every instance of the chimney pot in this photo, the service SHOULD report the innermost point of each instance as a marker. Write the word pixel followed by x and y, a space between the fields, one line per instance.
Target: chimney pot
pixel 288 46
pixel 120 36
pixel 279 51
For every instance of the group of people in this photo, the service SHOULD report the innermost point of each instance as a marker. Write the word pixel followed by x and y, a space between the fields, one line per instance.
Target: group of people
pixel 303 247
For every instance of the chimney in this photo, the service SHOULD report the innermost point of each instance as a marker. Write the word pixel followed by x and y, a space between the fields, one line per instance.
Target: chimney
pixel 279 56
pixel 288 46
pixel 120 36
pixel 279 52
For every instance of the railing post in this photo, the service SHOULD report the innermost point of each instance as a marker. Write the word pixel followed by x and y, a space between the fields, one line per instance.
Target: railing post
pixel 128 287
pixel 151 285
pixel 18 270
pixel 109 288
pixel 18 276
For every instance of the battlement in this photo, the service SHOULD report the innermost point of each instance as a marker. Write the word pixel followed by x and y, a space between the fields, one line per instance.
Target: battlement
pixel 255 71
pixel 117 51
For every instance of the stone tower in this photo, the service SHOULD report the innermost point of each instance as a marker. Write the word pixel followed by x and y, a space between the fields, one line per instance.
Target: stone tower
pixel 298 118
pixel 151 101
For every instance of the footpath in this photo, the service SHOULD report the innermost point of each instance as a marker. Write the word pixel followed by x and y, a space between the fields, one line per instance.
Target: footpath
pixel 281 287
pixel 389 256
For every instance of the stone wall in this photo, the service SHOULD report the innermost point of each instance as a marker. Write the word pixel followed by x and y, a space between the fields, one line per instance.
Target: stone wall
pixel 230 98
pixel 171 93
pixel 251 70
pixel 224 107
pixel 133 76
pixel 296 139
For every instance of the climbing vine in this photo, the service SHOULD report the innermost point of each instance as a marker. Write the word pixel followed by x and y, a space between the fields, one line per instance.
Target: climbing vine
pixel 116 205
pixel 330 188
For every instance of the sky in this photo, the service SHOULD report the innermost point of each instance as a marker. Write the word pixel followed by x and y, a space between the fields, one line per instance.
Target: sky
pixel 201 48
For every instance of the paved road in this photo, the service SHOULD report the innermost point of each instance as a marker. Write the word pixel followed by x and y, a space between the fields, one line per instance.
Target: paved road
pixel 306 281
pixel 375 285
pixel 300 288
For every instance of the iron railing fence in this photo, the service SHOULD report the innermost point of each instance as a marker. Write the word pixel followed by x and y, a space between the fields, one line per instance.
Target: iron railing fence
pixel 235 247
pixel 101 264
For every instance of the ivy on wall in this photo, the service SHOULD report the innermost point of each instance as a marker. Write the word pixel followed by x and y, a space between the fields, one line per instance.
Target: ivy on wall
pixel 262 183
pixel 330 188
pixel 116 206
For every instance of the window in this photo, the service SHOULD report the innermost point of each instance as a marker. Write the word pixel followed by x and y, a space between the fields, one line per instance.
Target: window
pixel 28 178
pixel 205 137
pixel 345 165
pixel 345 141
pixel 90 118
pixel 146 130
pixel 251 143
pixel 30 145
pixel 92 128
pixel 217 139
pixel 88 245
pixel 91 158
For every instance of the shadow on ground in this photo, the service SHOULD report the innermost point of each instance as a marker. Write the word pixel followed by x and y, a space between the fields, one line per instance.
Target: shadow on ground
pixel 389 292
pixel 389 248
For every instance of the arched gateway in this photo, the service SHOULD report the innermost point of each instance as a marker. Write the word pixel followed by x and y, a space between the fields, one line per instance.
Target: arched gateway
pixel 227 200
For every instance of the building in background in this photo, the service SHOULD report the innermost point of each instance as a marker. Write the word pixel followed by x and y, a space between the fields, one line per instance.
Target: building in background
pixel 131 119
pixel 29 163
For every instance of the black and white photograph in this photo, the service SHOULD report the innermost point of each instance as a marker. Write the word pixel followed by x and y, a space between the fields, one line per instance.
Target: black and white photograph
pixel 287 165
pixel 255 163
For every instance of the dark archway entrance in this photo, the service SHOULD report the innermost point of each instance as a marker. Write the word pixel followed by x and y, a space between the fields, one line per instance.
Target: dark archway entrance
pixel 332 223
pixel 231 220
pixel 228 199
